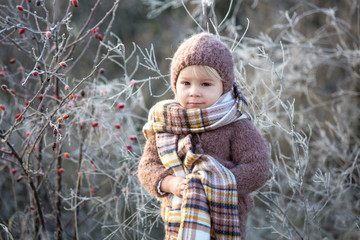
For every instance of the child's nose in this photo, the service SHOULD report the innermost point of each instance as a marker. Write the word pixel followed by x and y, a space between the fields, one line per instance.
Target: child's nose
pixel 194 91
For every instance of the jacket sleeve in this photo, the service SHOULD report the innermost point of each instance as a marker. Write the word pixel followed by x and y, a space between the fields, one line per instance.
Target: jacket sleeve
pixel 250 156
pixel 150 169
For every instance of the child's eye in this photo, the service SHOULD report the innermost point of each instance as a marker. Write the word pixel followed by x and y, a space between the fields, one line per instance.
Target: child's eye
pixel 185 83
pixel 205 84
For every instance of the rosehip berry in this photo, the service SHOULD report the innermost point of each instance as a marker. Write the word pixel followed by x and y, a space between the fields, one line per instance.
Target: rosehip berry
pixel 67 87
pixel 95 30
pixel 3 149
pixel 75 3
pixel 35 73
pixel 133 138
pixel 2 108
pixel 20 8
pixel 65 116
pixel 48 34
pixel 17 115
pixel 59 120
pixel 4 87
pixel 63 64
pixel 99 37
pixel 95 124
pixel 27 103
pixel 53 146
pixel 60 170
pixel 66 155
pixel 12 92
pixel 132 83
pixel 14 171
pixel 101 70
pixel 2 74
pixel 129 147
pixel 117 126
pixel 13 60
pixel 93 190
pixel 22 30
pixel 41 97
pixel 27 134
pixel 120 106
pixel 71 96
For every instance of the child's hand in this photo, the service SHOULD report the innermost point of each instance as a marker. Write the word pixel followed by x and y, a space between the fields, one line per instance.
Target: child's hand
pixel 174 185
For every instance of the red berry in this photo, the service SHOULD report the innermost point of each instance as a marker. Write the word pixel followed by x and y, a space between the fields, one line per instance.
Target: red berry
pixel 27 103
pixel 14 171
pixel 60 170
pixel 66 87
pixel 66 155
pixel 2 74
pixel 101 70
pixel 93 190
pixel 75 3
pixel 20 8
pixel 48 34
pixel 99 37
pixel 27 134
pixel 128 147
pixel 133 138
pixel 95 124
pixel 22 30
pixel 120 106
pixel 2 108
pixel 20 69
pixel 12 92
pixel 13 60
pixel 95 30
pixel 59 120
pixel 65 116
pixel 63 64
pixel 41 97
pixel 17 115
pixel 53 146
pixel 35 73
pixel 132 83
pixel 117 126
pixel 71 96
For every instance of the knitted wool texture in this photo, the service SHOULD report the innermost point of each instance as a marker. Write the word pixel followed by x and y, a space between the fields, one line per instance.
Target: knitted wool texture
pixel 204 49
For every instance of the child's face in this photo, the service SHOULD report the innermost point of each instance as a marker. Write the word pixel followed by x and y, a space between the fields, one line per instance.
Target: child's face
pixel 196 88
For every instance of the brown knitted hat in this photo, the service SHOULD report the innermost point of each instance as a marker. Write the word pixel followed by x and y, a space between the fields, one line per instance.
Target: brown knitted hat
pixel 204 49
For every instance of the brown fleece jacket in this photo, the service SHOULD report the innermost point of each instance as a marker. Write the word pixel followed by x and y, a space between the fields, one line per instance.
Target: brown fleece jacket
pixel 237 146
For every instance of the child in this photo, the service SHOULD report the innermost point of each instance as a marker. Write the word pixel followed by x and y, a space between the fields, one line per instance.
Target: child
pixel 203 155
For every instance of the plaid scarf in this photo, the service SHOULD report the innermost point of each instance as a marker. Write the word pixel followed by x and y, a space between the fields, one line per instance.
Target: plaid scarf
pixel 209 207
